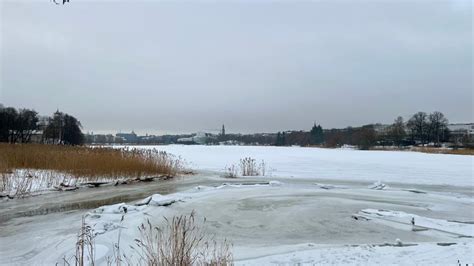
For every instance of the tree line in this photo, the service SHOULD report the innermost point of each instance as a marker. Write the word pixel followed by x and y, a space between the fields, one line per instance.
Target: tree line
pixel 420 129
pixel 25 125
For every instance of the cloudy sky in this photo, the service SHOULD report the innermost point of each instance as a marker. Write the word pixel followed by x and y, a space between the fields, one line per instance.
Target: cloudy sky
pixel 256 66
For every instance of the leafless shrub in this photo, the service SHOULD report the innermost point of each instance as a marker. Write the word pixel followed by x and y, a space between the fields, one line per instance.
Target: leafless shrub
pixel 218 254
pixel 231 171
pixel 180 242
pixel 248 166
pixel 85 247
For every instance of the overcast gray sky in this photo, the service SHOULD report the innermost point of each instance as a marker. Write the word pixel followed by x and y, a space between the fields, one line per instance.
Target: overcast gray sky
pixel 257 66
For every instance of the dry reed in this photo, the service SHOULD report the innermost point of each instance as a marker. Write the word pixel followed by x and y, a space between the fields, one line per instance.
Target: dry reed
pixel 180 242
pixel 81 161
pixel 464 151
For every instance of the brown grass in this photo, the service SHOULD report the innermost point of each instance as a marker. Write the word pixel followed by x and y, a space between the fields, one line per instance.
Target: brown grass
pixel 86 161
pixel 461 151
pixel 444 151
pixel 180 242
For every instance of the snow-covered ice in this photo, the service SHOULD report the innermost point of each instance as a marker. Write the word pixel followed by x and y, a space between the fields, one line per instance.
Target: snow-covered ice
pixel 347 164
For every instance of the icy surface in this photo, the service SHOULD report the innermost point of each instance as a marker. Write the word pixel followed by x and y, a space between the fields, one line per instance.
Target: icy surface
pixel 289 223
pixel 347 164
pixel 422 254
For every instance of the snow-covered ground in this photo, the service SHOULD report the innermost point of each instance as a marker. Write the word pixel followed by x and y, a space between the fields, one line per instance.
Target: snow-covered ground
pixel 346 164
pixel 292 217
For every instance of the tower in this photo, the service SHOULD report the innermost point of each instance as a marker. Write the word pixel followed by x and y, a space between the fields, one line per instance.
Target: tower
pixel 223 130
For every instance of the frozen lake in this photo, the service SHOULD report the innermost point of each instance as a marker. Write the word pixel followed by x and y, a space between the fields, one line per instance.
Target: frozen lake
pixel 339 164
pixel 283 218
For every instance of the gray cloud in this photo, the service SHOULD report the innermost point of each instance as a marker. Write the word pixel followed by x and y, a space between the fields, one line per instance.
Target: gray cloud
pixel 266 66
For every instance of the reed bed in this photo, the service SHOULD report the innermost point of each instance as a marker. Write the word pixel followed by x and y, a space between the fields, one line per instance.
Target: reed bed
pixel 27 168
pixel 82 161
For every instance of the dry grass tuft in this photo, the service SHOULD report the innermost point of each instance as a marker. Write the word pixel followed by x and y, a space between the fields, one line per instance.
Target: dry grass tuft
pixel 247 167
pixel 181 242
pixel 81 161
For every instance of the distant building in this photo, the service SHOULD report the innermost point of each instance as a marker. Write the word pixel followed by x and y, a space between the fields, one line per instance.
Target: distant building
pixel 223 131
pixel 199 138
pixel 128 137
pixel 36 136
pixel 461 129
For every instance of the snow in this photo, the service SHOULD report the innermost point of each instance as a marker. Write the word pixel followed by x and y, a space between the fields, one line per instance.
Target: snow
pixel 422 254
pixel 25 182
pixel 272 224
pixel 329 186
pixel 378 186
pixel 461 229
pixel 275 183
pixel 158 200
pixel 340 164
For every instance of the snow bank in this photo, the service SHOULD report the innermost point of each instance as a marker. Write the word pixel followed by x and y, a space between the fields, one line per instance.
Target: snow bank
pixel 459 228
pixel 158 200
pixel 378 186
pixel 329 186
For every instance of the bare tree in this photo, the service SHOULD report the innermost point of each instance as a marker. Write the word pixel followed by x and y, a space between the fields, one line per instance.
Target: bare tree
pixel 418 126
pixel 397 131
pixel 438 124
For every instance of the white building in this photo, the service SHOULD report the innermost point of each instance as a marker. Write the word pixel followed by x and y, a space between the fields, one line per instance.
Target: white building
pixel 199 138
pixel 462 129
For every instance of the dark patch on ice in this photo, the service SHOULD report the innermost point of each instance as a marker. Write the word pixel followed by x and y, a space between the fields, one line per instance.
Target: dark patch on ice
pixel 416 191
pixel 94 184
pixel 361 218
pixel 461 222
pixel 446 244
pixel 398 245
pixel 329 186
pixel 146 201
pixel 247 184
